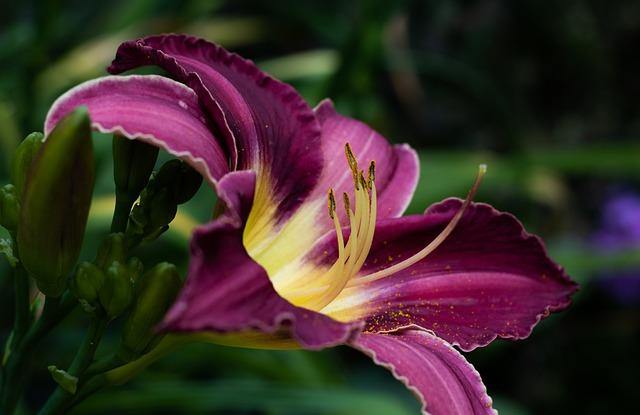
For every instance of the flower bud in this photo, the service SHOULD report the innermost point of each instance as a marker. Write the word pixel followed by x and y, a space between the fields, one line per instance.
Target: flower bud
pixel 182 180
pixel 87 282
pixel 56 201
pixel 156 291
pixel 135 269
pixel 111 250
pixel 133 163
pixel 150 218
pixel 162 209
pixel 23 158
pixel 117 292
pixel 9 207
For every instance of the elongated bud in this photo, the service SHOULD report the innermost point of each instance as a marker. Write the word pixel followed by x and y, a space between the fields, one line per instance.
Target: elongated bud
pixel 56 201
pixel 87 283
pixel 111 250
pixel 117 292
pixel 182 180
pixel 9 207
pixel 156 291
pixel 23 158
pixel 133 163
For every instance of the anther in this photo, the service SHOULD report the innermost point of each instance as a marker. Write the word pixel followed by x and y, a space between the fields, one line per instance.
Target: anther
pixel 362 181
pixel 347 204
pixel 331 202
pixel 353 164
pixel 372 174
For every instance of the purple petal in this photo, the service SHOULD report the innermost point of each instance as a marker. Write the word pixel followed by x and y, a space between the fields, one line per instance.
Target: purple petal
pixel 153 109
pixel 397 167
pixel 265 121
pixel 442 379
pixel 489 278
pixel 227 292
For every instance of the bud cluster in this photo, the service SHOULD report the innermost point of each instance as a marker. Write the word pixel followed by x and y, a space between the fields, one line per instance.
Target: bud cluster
pixel 108 282
pixel 46 209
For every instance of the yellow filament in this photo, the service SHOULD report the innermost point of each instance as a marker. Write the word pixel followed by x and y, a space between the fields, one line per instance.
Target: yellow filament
pixel 438 240
pixel 351 256
pixel 371 227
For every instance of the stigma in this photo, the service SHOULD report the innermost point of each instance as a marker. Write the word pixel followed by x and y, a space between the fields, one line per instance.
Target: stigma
pixel 353 250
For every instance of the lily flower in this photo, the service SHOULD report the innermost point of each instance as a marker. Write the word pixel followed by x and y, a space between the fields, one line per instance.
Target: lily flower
pixel 311 250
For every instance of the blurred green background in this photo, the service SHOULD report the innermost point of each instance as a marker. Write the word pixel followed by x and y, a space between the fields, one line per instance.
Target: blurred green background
pixel 546 93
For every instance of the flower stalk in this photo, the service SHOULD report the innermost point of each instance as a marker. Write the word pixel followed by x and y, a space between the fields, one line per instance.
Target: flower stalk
pixel 61 398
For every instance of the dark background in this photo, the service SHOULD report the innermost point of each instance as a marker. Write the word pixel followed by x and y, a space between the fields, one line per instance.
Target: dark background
pixel 546 93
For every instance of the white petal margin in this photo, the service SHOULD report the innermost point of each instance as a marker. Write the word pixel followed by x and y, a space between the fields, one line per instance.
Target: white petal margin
pixel 431 368
pixel 150 108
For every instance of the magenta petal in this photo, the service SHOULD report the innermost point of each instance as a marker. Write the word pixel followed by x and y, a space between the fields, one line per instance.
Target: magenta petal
pixel 226 291
pixel 397 166
pixel 489 278
pixel 153 109
pixel 266 122
pixel 443 380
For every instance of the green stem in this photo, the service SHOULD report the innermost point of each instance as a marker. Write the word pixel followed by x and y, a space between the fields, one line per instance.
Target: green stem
pixel 17 368
pixel 121 213
pixel 105 364
pixel 124 373
pixel 22 318
pixel 60 399
pixel 168 344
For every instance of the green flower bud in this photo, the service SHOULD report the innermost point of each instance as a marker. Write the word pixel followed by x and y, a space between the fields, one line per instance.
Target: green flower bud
pixel 111 250
pixel 133 163
pixel 156 291
pixel 162 209
pixel 182 180
pixel 9 207
pixel 87 283
pixel 117 292
pixel 56 201
pixel 136 268
pixel 23 158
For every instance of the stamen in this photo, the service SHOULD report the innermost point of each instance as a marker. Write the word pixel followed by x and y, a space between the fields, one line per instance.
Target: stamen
pixel 363 182
pixel 361 211
pixel 347 204
pixel 482 169
pixel 353 164
pixel 331 202
pixel 371 227
pixel 372 174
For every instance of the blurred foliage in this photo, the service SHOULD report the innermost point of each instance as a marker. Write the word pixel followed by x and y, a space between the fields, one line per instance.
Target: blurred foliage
pixel 544 92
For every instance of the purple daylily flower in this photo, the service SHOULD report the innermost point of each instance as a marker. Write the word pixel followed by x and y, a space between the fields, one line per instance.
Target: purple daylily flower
pixel 275 270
